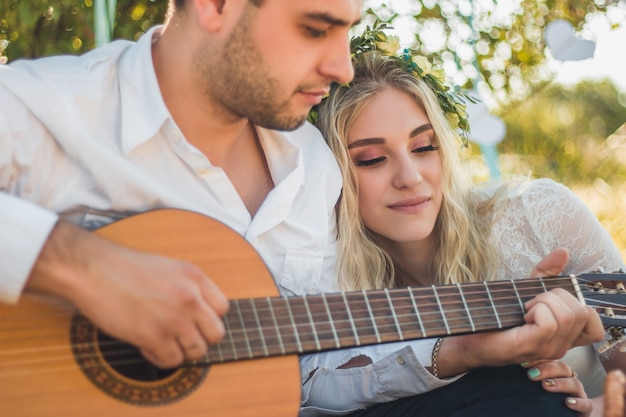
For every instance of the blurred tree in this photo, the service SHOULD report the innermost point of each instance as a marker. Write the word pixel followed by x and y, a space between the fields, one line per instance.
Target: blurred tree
pixel 497 44
pixel 561 133
pixel 33 28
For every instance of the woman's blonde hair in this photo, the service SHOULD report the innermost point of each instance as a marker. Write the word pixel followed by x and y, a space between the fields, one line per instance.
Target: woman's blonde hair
pixel 462 250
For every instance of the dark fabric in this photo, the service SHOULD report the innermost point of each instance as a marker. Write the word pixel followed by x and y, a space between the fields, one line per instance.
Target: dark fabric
pixel 485 392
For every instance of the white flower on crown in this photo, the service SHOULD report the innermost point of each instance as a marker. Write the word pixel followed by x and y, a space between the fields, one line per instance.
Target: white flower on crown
pixel 423 63
pixel 388 45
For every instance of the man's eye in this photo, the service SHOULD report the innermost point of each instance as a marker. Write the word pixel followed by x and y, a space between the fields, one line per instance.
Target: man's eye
pixel 315 33
pixel 370 162
pixel 425 149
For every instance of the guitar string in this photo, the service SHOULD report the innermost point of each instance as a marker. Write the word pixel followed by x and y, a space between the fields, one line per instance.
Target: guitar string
pixel 263 309
pixel 263 329
pixel 425 306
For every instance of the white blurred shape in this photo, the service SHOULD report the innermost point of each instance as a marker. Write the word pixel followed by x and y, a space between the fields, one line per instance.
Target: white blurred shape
pixel 564 44
pixel 485 128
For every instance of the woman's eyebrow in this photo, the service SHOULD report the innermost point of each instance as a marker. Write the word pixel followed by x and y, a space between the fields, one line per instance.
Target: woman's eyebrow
pixel 365 142
pixel 380 141
pixel 420 129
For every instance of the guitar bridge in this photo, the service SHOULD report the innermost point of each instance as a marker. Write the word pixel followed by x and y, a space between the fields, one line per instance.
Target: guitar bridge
pixel 617 337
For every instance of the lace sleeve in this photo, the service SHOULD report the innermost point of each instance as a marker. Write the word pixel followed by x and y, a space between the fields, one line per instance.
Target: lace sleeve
pixel 559 217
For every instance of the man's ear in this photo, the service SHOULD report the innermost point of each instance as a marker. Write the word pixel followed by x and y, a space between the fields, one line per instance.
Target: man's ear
pixel 210 13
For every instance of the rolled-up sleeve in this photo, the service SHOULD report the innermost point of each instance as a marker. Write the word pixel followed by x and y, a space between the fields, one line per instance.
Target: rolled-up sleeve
pixel 397 370
pixel 25 228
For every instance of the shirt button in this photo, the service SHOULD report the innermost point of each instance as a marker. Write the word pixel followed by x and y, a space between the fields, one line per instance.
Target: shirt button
pixel 202 171
pixel 400 360
pixel 325 371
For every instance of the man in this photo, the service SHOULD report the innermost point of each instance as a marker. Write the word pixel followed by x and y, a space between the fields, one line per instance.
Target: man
pixel 189 117
pixel 182 119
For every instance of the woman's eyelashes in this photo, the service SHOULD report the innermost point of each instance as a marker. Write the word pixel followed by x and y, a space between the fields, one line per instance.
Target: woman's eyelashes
pixel 364 161
pixel 369 162
pixel 425 149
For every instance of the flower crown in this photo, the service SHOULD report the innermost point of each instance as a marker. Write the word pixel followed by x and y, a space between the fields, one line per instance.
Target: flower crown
pixel 452 102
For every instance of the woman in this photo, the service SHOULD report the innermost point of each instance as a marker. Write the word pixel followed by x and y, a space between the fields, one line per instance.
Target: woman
pixel 409 213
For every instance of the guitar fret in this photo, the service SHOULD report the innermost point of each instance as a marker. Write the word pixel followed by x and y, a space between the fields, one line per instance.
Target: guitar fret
pixel 308 312
pixel 492 304
pixel 469 315
pixel 259 326
pixel 543 284
pixel 229 331
pixel 220 354
pixel 519 298
pixel 371 315
pixel 393 313
pixel 330 320
pixel 278 332
pixel 319 322
pixel 443 315
pixel 351 319
pixel 244 332
pixel 293 323
pixel 417 312
pixel 217 347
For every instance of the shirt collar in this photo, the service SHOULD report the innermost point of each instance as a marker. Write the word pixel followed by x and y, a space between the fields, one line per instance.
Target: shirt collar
pixel 143 110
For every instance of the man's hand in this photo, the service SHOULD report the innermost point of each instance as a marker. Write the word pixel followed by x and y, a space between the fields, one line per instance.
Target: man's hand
pixel 167 308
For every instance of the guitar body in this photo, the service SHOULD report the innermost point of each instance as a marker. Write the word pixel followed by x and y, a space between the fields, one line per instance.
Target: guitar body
pixel 51 363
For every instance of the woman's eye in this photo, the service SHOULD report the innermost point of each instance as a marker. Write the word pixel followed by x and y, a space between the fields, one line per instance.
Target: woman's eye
pixel 425 149
pixel 370 162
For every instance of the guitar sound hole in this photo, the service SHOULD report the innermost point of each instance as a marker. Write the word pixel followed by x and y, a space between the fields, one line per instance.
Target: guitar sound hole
pixel 128 360
pixel 119 369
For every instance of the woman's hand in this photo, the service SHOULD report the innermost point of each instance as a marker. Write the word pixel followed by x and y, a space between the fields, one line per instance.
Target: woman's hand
pixel 614 393
pixel 557 376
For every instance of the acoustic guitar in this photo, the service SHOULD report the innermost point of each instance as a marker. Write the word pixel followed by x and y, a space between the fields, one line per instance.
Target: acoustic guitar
pixel 54 362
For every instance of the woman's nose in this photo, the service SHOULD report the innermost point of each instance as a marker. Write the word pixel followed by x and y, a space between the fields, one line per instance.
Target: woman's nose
pixel 407 173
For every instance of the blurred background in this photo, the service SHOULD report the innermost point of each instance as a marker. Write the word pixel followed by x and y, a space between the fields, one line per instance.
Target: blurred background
pixel 550 76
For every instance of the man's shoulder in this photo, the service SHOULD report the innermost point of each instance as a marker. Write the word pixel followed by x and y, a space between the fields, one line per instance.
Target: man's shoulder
pixel 65 71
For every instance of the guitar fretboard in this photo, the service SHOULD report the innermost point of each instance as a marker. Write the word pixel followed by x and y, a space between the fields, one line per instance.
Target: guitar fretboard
pixel 261 327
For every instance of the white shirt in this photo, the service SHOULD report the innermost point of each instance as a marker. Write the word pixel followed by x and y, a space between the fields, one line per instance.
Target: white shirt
pixel 90 140
pixel 538 217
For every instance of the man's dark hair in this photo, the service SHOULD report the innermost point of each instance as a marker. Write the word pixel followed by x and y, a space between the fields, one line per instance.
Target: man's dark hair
pixel 180 4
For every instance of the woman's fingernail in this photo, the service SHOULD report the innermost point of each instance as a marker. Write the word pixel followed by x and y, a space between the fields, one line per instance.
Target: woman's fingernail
pixel 534 373
pixel 524 364
pixel 549 382
pixel 571 401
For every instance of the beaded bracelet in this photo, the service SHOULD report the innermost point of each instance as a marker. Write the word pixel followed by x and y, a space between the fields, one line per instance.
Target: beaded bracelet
pixel 434 357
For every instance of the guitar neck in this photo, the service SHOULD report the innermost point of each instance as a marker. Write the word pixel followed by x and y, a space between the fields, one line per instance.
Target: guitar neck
pixel 260 327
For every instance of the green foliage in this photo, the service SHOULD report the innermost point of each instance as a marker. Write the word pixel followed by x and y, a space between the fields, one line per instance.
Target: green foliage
pixel 507 54
pixel 558 132
pixel 561 133
pixel 34 28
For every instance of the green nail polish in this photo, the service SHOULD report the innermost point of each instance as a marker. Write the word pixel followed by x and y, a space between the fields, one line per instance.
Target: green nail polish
pixel 534 373
pixel 524 364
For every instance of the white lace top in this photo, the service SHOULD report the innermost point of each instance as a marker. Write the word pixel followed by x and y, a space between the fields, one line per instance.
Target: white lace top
pixel 536 217
pixel 539 216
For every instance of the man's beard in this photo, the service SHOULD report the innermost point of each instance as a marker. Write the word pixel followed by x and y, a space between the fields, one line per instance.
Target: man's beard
pixel 238 80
